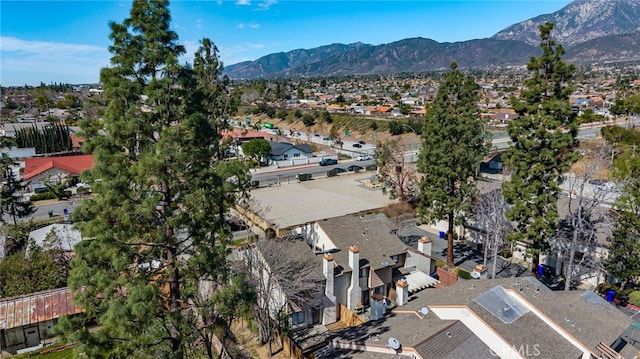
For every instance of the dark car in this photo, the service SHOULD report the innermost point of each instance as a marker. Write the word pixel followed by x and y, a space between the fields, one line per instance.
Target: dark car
pixel 361 142
pixel 328 162
pixel 357 145
pixel 355 168
pixel 339 170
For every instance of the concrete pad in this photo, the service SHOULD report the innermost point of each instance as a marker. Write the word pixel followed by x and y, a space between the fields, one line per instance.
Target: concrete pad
pixel 294 204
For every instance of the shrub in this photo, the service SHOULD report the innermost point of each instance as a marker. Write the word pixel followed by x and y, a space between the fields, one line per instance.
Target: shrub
pixel 619 292
pixel 463 274
pixel 440 264
pixel 634 297
pixel 270 233
pixel 603 288
pixel 42 196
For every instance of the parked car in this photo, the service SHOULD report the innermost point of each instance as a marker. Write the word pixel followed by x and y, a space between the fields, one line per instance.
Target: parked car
pixel 328 162
pixel 326 139
pixel 363 158
pixel 355 168
pixel 357 145
pixel 361 142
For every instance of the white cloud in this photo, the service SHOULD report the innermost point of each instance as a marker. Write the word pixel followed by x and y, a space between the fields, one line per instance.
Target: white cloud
pixel 22 60
pixel 266 4
pixel 240 52
pixel 251 25
pixel 243 2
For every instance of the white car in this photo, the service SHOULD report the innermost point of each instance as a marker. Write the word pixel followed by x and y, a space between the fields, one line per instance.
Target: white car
pixel 363 158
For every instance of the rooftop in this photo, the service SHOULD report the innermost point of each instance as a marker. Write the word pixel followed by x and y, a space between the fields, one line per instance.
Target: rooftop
pixel 373 234
pixel 554 320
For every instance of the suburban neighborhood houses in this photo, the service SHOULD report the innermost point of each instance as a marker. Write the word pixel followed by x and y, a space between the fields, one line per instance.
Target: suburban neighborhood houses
pixel 381 289
pixel 310 213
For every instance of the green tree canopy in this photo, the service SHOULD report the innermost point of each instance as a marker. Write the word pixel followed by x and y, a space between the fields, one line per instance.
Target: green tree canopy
pixel 257 149
pixel 308 120
pixel 452 148
pixel 543 147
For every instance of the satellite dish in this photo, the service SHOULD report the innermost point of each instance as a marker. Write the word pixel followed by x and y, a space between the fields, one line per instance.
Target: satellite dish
pixel 394 343
pixel 475 275
pixel 424 310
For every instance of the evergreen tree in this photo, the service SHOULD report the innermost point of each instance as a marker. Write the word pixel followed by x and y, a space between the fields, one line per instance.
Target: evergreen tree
pixel 155 227
pixel 623 259
pixel 452 148
pixel 12 202
pixel 543 147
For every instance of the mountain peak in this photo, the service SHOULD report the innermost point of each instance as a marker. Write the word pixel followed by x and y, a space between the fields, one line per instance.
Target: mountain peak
pixel 580 21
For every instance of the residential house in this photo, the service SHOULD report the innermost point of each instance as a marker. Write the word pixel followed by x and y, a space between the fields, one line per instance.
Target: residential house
pixel 360 258
pixel 238 137
pixel 284 151
pixel 493 318
pixel 27 321
pixel 60 235
pixel 41 170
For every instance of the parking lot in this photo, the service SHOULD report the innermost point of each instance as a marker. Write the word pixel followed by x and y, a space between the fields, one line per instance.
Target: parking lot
pixel 293 203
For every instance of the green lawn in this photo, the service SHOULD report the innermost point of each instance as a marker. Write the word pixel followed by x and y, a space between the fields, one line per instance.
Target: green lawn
pixel 61 354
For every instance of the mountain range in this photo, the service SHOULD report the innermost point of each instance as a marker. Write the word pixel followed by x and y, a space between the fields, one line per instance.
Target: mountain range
pixel 590 30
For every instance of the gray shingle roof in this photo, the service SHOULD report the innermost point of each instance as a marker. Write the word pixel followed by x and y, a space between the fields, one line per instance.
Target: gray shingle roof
pixel 373 235
pixel 586 317
pixel 590 320
pixel 455 342
pixel 279 148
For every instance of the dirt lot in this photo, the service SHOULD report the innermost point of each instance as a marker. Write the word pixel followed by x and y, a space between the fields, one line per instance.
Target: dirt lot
pixel 249 341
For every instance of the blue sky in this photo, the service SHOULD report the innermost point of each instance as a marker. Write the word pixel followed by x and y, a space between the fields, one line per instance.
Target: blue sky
pixel 67 41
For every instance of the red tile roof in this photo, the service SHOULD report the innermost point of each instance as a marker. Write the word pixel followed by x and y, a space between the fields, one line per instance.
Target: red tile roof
pixel 36 307
pixel 73 164
pixel 76 141
pixel 244 134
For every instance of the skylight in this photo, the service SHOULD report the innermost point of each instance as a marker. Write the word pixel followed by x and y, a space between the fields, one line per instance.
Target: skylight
pixel 501 304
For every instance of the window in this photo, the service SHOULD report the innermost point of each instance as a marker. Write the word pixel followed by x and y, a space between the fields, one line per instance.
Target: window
pixel 364 272
pixel 297 154
pixel 315 315
pixel 285 156
pixel 365 297
pixel 394 259
pixel 297 318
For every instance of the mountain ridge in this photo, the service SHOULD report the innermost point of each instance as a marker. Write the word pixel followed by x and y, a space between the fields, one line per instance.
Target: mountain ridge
pixel 590 31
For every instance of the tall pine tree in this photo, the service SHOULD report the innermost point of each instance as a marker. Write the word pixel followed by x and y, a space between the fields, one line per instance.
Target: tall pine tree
pixel 543 147
pixel 156 226
pixel 452 149
pixel 623 259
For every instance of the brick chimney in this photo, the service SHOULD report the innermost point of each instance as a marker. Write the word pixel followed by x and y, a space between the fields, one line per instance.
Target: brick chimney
pixel 424 245
pixel 329 312
pixel 354 293
pixel 402 292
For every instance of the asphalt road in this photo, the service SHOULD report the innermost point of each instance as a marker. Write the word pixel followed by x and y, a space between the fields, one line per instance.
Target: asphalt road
pixel 42 211
pixel 270 176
